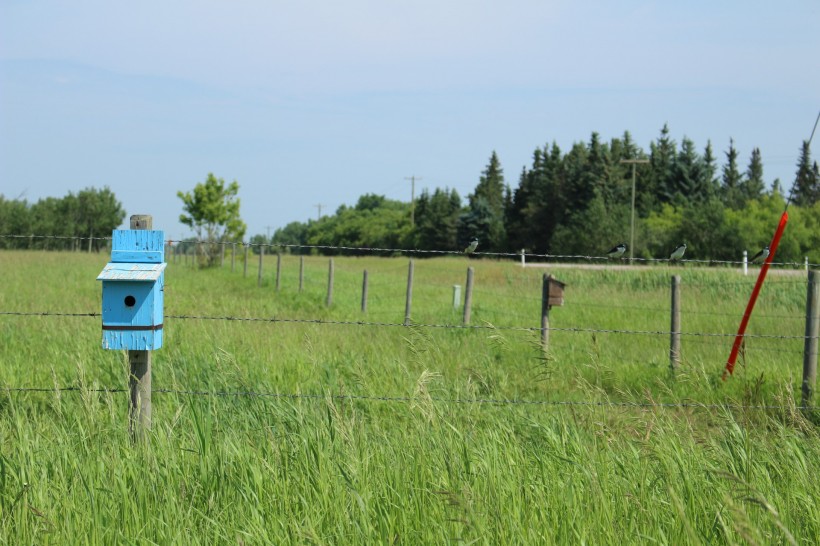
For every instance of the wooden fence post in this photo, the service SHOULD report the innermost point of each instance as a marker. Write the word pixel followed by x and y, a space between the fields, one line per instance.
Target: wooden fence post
pixel 545 312
pixel 456 296
pixel 329 283
pixel 222 254
pixel 674 339
pixel 468 296
pixel 245 268
pixel 408 304
pixel 139 363
pixel 259 273
pixel 364 292
pixel 301 273
pixel 233 256
pixel 278 270
pixel 811 344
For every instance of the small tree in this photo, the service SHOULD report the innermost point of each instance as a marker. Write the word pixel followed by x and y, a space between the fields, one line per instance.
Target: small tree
pixel 213 213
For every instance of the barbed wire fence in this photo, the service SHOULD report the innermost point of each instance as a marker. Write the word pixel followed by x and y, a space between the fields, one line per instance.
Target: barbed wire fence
pixel 411 399
pixel 421 252
pixel 701 337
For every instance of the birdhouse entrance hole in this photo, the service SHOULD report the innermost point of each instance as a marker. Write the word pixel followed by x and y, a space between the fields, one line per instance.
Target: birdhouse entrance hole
pixel 130 301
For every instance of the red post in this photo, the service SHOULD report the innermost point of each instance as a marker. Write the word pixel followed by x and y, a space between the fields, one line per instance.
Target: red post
pixel 730 364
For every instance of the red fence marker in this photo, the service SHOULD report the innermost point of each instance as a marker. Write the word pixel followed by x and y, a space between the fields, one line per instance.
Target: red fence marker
pixel 730 364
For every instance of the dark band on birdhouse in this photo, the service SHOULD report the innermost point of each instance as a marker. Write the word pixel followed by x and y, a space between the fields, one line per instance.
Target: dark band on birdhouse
pixel 151 328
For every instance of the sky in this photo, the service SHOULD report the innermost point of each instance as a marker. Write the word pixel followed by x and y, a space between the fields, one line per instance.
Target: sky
pixel 310 104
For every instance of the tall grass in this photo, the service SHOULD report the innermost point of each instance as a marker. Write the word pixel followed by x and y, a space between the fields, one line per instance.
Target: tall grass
pixel 395 461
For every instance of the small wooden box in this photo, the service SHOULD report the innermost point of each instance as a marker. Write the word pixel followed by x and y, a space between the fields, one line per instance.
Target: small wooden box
pixel 132 291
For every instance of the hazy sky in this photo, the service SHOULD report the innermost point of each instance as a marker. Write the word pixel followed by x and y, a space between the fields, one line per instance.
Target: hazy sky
pixel 306 102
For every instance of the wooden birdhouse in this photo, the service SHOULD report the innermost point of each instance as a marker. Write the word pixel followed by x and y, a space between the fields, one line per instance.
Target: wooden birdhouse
pixel 554 291
pixel 132 291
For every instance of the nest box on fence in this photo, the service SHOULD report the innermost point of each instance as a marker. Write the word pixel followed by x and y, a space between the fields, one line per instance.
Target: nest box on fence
pixel 132 290
pixel 556 291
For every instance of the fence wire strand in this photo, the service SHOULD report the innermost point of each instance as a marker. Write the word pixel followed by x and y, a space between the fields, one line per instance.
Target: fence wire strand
pixel 275 320
pixel 411 252
pixel 411 399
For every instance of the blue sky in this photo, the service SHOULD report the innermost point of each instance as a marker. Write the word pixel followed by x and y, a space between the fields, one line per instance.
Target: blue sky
pixel 307 103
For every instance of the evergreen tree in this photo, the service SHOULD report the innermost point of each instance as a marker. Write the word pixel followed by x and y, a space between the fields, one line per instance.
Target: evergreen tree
pixel 516 215
pixel 806 187
pixel 598 169
pixel 662 161
pixel 577 188
pixel 752 185
pixel 691 175
pixel 490 192
pixel 730 188
pixel 491 186
pixel 710 169
pixel 479 221
pixel 437 220
pixel 537 205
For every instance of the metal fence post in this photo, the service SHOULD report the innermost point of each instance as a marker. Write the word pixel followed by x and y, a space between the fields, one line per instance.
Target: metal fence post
pixel 408 304
pixel 674 336
pixel 811 344
pixel 468 296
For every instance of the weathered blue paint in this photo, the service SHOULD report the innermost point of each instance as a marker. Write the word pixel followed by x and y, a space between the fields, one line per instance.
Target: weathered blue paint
pixel 132 291
pixel 132 242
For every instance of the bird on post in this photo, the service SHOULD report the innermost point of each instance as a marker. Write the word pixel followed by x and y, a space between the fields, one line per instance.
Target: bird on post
pixel 617 251
pixel 677 254
pixel 472 246
pixel 762 255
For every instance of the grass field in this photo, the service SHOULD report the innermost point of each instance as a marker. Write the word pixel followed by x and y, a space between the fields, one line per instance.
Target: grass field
pixel 380 433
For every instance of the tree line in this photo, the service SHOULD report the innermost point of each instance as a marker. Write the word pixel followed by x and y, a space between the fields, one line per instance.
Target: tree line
pixel 81 218
pixel 579 202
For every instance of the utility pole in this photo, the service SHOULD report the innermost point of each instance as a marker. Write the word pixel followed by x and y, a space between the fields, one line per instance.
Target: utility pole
pixel 412 180
pixel 319 215
pixel 633 162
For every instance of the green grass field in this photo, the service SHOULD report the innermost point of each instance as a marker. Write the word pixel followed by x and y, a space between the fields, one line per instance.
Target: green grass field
pixel 380 433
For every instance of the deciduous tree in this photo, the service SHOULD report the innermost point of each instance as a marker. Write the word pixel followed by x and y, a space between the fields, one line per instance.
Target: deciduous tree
pixel 213 213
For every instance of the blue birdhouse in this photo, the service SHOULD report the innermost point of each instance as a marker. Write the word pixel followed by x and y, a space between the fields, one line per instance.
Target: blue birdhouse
pixel 132 291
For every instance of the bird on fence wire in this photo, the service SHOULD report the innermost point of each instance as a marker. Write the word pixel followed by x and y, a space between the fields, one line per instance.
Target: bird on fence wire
pixel 617 251
pixel 762 255
pixel 677 254
pixel 472 246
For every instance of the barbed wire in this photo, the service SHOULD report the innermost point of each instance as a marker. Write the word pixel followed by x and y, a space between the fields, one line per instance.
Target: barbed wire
pixel 411 399
pixel 412 324
pixel 584 257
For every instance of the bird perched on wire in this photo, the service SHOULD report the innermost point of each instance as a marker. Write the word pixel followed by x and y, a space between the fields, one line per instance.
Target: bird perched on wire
pixel 762 255
pixel 617 251
pixel 677 254
pixel 472 246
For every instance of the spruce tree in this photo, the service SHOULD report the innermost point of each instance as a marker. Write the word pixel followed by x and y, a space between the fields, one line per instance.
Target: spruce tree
pixel 487 206
pixel 806 189
pixel 662 161
pixel 752 185
pixel 730 189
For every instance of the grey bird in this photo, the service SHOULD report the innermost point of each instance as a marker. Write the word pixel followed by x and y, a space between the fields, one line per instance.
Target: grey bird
pixel 677 254
pixel 617 251
pixel 472 246
pixel 762 255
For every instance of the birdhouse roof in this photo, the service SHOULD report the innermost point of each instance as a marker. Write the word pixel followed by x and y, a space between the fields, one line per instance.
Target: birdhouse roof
pixel 119 271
